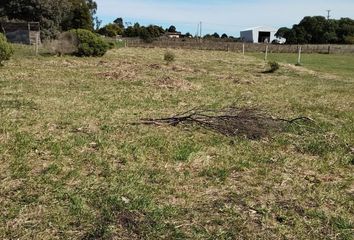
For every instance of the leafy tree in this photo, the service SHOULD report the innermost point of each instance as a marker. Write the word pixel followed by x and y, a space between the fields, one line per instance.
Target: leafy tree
pixel 145 33
pixel 345 29
pixel 119 22
pixel 216 35
pixel 110 30
pixel 80 15
pixel 49 13
pixel 172 29
pixel 318 30
pixel 155 31
pixel 53 17
pixel 283 32
pixel 188 35
pixel 207 36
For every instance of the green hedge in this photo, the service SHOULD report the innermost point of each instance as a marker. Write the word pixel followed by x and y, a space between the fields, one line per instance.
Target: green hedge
pixel 6 50
pixel 89 44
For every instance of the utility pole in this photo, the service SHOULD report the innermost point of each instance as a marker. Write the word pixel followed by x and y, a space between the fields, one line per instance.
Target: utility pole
pixel 200 30
pixel 328 14
pixel 197 32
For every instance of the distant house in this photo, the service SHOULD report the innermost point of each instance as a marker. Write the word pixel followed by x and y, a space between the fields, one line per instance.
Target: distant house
pixel 261 35
pixel 173 34
pixel 21 32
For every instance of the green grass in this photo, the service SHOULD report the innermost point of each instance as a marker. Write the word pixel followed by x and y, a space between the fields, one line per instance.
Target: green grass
pixel 339 64
pixel 73 166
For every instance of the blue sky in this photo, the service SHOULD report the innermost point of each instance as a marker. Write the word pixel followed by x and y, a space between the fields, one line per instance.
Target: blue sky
pixel 223 16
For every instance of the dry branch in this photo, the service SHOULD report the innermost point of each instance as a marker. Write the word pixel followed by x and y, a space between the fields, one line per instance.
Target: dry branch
pixel 230 121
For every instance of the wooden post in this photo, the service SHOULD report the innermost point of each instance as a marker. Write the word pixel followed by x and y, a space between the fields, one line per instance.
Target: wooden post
pixel 37 43
pixel 266 53
pixel 243 49
pixel 29 33
pixel 299 56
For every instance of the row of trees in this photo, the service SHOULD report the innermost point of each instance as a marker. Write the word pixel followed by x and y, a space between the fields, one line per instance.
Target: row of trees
pixel 319 30
pixel 150 32
pixel 146 33
pixel 53 16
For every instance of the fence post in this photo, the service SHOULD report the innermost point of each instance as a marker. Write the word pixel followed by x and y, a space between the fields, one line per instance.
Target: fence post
pixel 299 56
pixel 243 48
pixel 37 44
pixel 266 53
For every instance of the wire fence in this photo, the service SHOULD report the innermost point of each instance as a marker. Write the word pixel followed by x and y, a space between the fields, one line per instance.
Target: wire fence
pixel 241 47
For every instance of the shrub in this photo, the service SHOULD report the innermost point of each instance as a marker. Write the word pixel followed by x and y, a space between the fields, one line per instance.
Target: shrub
pixel 169 57
pixel 66 43
pixel 89 44
pixel 6 49
pixel 273 67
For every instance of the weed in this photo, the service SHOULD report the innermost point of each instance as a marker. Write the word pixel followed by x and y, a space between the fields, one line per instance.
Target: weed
pixel 169 57
pixel 273 67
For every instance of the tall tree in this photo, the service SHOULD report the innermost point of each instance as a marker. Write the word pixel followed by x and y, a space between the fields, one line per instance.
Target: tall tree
pixel 319 30
pixel 119 22
pixel 80 15
pixel 48 12
pixel 53 17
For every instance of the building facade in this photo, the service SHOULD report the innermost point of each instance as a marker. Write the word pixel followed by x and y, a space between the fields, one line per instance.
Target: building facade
pixel 261 35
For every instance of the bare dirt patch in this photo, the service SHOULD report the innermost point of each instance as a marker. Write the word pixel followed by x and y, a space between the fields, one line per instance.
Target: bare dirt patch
pixel 172 82
pixel 117 75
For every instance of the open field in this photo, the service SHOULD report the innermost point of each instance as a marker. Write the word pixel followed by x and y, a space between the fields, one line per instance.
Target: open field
pixel 72 166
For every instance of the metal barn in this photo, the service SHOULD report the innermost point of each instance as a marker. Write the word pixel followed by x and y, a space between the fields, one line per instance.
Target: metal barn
pixel 261 35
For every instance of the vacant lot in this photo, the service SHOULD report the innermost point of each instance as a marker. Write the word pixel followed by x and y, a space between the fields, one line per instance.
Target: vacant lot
pixel 73 166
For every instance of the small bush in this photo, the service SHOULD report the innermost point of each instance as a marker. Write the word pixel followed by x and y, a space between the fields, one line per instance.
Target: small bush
pixel 111 45
pixel 273 67
pixel 169 57
pixel 6 50
pixel 89 44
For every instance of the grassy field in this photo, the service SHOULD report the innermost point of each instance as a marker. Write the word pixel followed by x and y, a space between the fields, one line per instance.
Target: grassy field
pixel 72 166
pixel 339 64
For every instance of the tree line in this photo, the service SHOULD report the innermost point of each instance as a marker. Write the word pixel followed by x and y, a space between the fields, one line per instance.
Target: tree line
pixel 151 32
pixel 319 30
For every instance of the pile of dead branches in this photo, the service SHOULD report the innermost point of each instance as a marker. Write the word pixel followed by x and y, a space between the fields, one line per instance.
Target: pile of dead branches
pixel 230 121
